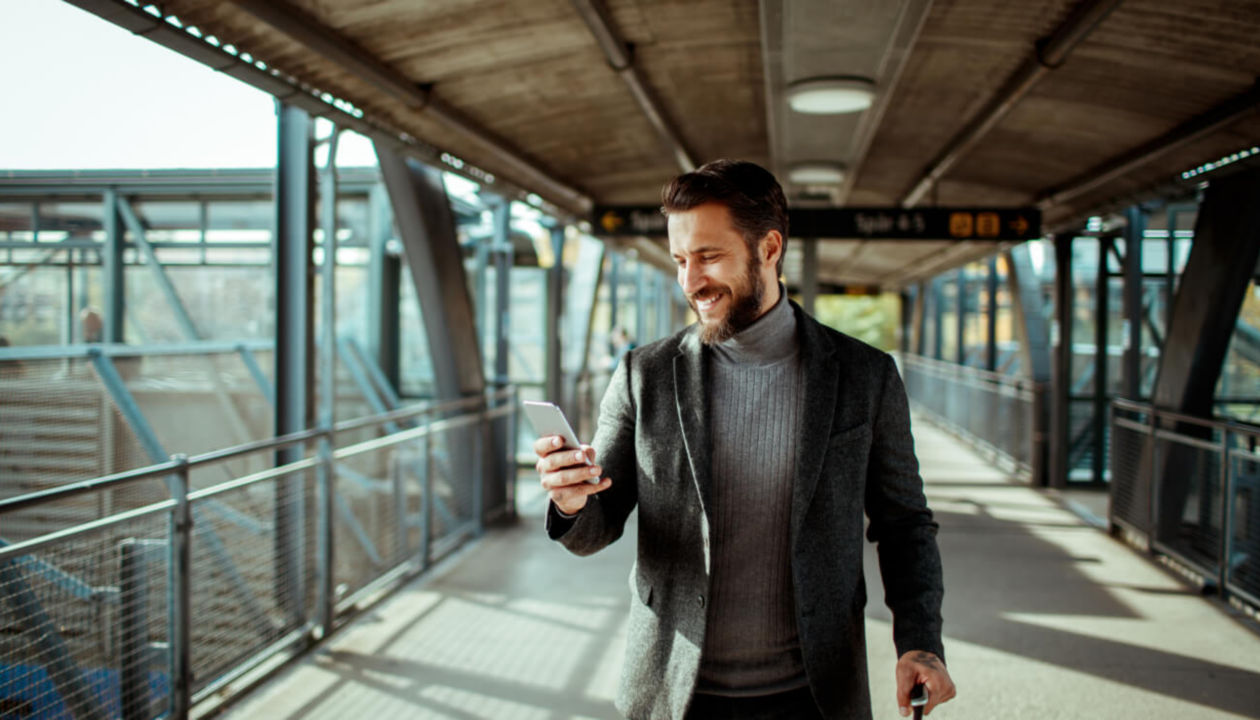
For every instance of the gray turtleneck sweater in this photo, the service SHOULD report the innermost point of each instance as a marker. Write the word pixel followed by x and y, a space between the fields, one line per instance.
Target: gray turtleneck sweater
pixel 751 645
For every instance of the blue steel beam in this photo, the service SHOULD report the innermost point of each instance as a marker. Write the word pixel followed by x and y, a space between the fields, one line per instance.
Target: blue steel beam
pixel 115 282
pixel 182 318
pixel 149 442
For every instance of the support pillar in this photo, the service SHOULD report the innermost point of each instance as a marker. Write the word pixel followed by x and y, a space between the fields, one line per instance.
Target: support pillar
pixel 960 302
pixel 809 275
pixel 553 320
pixel 1205 311
pixel 294 356
pixel 1061 368
pixel 1034 339
pixel 384 290
pixel 114 272
pixel 1133 234
pixel 1102 313
pixel 990 315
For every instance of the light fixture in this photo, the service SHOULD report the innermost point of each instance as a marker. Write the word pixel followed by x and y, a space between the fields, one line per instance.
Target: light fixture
pixel 830 95
pixel 816 173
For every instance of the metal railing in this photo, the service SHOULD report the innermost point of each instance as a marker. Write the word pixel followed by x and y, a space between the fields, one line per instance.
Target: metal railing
pixel 993 412
pixel 161 605
pixel 1188 488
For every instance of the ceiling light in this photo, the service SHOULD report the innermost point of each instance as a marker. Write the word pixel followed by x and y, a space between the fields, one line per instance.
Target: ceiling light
pixel 816 173
pixel 831 95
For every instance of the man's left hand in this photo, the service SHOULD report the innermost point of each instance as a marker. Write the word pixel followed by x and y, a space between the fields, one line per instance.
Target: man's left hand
pixel 920 666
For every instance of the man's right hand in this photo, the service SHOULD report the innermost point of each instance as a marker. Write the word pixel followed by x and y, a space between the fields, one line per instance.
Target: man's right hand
pixel 565 475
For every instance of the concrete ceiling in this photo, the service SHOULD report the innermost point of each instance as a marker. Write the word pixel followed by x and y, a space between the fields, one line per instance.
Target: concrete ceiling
pixel 1075 107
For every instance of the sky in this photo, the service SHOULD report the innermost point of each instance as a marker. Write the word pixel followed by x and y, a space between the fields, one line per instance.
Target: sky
pixel 79 92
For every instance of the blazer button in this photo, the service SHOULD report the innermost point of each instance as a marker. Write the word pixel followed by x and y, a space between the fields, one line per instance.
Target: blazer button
pixel 700 601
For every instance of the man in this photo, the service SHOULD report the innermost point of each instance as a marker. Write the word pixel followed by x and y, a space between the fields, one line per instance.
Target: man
pixel 752 443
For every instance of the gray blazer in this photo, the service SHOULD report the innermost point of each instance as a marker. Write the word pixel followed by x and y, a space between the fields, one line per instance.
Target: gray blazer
pixel 856 456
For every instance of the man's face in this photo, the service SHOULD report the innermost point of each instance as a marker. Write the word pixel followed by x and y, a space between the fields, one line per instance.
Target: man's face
pixel 724 284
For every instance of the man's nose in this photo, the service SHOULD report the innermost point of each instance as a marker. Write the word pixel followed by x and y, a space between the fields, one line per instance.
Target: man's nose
pixel 691 278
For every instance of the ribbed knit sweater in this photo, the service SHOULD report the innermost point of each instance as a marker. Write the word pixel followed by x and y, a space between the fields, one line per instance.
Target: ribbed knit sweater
pixel 751 645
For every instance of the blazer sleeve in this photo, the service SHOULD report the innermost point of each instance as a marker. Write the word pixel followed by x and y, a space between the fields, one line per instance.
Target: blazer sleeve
pixel 603 519
pixel 901 523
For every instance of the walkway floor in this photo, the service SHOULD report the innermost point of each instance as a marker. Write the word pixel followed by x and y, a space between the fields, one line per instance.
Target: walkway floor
pixel 1046 617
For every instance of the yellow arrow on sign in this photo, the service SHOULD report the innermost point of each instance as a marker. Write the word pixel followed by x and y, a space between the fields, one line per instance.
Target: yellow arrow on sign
pixel 611 221
pixel 1019 225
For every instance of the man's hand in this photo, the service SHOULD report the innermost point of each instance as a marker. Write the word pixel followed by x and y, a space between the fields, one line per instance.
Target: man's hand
pixel 920 666
pixel 565 475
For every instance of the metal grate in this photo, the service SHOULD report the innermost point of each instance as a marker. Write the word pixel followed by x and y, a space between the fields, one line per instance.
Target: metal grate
pixel 82 629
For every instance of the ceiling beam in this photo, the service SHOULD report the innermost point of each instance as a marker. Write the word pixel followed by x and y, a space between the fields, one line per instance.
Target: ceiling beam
pixel 1047 55
pixel 621 59
pixel 335 47
pixel 1228 112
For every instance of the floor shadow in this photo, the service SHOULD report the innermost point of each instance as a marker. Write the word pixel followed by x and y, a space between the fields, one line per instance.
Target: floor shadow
pixel 996 568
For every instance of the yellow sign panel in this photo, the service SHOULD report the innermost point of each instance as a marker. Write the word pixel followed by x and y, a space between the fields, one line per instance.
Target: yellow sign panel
pixel 961 224
pixel 988 224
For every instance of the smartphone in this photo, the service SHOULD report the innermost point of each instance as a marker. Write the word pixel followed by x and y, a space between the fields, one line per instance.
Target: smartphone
pixel 918 699
pixel 548 419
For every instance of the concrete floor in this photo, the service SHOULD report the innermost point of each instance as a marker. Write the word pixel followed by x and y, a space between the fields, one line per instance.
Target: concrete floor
pixel 1045 617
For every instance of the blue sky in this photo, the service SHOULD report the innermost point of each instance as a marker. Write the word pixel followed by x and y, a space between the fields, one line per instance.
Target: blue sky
pixel 79 92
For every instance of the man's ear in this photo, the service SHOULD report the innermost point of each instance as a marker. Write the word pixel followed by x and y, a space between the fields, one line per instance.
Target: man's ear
pixel 772 247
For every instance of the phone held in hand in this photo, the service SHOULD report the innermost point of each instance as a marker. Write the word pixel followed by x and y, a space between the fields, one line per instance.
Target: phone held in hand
pixel 548 419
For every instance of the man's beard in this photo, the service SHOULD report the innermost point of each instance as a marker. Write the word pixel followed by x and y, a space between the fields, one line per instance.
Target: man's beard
pixel 745 306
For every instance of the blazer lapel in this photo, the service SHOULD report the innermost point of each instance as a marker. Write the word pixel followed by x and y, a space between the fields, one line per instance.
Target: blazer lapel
pixel 693 413
pixel 821 386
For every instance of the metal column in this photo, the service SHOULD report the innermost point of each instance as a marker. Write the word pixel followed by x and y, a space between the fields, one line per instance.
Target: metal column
pixel 1205 311
pixel 295 342
pixel 960 302
pixel 1035 348
pixel 1102 314
pixel 114 272
pixel 1133 284
pixel 809 275
pixel 502 253
pixel 1061 368
pixel 990 335
pixel 938 317
pixel 554 309
pixel 384 290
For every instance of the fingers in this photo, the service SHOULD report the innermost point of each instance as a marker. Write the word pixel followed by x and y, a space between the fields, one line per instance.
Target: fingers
pixel 573 498
pixel 547 444
pixel 925 667
pixel 565 477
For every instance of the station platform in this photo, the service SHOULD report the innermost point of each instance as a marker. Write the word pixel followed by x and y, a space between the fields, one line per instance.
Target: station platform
pixel 1045 617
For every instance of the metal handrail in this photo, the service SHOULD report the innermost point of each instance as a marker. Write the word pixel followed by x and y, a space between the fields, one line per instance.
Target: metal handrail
pixel 148 472
pixel 955 369
pixel 117 350
pixel 1216 423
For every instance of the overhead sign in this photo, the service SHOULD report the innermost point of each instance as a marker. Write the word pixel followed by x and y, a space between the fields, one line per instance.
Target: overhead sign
pixel 933 223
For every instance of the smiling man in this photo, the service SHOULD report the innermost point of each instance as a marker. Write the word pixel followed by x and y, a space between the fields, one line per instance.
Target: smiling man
pixel 754 443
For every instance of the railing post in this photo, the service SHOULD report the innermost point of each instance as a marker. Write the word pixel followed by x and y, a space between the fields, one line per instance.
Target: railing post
pixel 180 592
pixel 325 478
pixel 426 502
pixel 400 508
pixel 514 420
pixel 1152 530
pixel 1226 507
pixel 479 471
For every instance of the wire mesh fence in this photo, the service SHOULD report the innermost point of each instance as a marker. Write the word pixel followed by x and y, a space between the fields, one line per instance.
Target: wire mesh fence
pixel 1189 487
pixel 993 412
pixel 146 609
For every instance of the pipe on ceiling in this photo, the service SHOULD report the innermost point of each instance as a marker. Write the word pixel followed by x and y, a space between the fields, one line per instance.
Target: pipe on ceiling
pixel 1224 114
pixel 1048 54
pixel 331 45
pixel 595 14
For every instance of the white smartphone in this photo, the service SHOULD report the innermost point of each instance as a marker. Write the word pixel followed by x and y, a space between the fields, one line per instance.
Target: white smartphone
pixel 548 419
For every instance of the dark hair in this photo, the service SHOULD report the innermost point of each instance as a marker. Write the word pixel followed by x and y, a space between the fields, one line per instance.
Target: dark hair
pixel 751 194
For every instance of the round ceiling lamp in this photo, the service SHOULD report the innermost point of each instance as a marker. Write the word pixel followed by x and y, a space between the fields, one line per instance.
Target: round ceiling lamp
pixel 816 173
pixel 831 95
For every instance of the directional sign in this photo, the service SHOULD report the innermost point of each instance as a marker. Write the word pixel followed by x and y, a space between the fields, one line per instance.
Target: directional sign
pixel 934 223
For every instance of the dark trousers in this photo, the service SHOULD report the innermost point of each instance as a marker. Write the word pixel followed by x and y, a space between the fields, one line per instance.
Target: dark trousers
pixel 791 705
